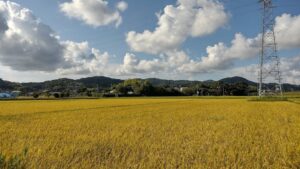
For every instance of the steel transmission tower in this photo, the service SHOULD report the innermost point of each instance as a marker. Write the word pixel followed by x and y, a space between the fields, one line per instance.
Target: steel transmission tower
pixel 269 66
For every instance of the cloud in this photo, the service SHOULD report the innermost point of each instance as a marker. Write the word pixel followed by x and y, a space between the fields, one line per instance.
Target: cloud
pixel 287 30
pixel 290 69
pixel 94 12
pixel 167 63
pixel 196 18
pixel 133 65
pixel 26 76
pixel 122 6
pixel 81 59
pixel 26 43
pixel 3 24
pixel 220 57
pixel 176 58
pixel 189 18
pixel 29 45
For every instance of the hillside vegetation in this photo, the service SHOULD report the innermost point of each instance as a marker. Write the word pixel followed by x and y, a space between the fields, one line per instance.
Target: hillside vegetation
pixel 108 87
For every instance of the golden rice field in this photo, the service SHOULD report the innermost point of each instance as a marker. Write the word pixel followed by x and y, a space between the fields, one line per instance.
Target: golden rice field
pixel 152 133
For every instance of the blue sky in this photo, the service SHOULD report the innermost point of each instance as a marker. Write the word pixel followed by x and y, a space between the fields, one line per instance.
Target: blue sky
pixel 243 16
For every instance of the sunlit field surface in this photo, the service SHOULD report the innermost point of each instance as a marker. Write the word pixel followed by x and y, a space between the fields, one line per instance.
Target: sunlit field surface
pixel 152 133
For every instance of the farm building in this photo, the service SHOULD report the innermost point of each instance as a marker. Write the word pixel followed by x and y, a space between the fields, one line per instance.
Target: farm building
pixel 5 95
pixel 15 93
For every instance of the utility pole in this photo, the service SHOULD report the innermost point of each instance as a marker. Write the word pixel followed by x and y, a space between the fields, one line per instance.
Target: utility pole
pixel 269 62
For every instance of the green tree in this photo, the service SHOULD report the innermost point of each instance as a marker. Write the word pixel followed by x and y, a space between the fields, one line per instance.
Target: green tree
pixel 36 95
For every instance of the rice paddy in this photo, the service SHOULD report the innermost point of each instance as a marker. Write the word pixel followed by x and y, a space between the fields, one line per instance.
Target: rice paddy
pixel 151 133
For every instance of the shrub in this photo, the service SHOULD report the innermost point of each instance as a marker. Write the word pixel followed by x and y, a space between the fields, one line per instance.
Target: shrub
pixel 13 162
pixel 36 95
pixel 56 95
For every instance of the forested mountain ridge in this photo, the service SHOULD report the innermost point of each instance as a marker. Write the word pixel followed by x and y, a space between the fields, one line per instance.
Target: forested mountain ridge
pixel 101 83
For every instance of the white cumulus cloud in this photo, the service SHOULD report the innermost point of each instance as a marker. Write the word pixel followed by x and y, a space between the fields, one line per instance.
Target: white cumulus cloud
pixel 94 12
pixel 290 67
pixel 134 65
pixel 82 59
pixel 167 63
pixel 221 56
pixel 189 18
pixel 122 6
pixel 287 30
pixel 26 44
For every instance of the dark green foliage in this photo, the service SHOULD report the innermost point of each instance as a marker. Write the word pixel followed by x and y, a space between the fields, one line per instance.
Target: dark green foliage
pixel 65 94
pixel 135 87
pixel 14 162
pixel 56 95
pixel 102 86
pixel 138 87
pixel 161 91
pixel 82 90
pixel 236 79
pixel 100 81
pixel 47 93
pixel 35 95
pixel 89 93
pixel 171 83
pixel 239 89
pixel 6 85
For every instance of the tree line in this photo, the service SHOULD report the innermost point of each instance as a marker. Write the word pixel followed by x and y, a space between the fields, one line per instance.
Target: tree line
pixel 140 87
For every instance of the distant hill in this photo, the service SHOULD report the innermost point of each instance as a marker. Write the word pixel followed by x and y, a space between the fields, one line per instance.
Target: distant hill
pixel 171 83
pixel 6 85
pixel 102 82
pixel 290 87
pixel 59 85
pixel 236 79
